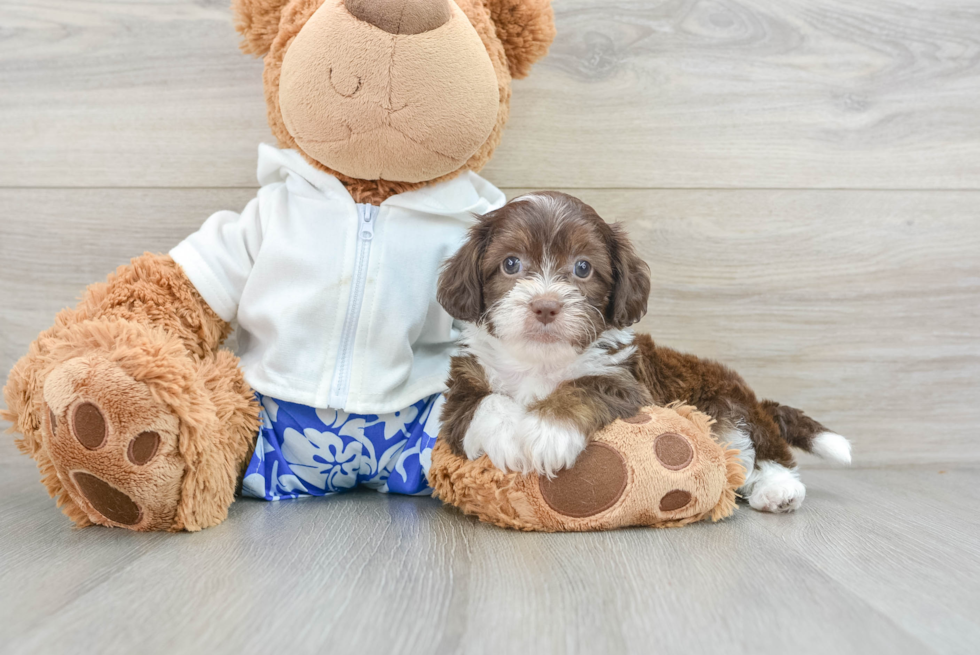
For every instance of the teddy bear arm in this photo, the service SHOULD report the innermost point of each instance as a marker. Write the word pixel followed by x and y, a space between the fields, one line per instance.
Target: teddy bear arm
pixel 153 289
pixel 143 339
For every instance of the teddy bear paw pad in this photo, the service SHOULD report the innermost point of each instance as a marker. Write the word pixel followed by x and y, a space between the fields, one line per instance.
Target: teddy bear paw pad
pixel 88 426
pixel 593 485
pixel 113 446
pixel 143 447
pixel 106 499
pixel 675 500
pixel 674 451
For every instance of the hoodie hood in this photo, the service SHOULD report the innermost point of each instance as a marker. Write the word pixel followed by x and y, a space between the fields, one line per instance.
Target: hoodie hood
pixel 460 197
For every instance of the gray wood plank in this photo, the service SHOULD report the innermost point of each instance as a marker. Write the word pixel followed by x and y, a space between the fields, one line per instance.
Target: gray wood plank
pixel 867 565
pixel 896 532
pixel 53 242
pixel 670 94
pixel 861 307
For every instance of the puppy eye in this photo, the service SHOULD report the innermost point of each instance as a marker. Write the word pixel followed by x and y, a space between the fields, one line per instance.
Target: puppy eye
pixel 583 269
pixel 511 266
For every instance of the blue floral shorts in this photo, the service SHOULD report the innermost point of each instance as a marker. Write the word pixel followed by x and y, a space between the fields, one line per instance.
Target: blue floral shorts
pixel 304 451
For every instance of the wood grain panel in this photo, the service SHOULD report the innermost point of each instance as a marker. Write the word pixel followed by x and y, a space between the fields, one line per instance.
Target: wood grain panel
pixel 55 242
pixel 665 94
pixel 915 572
pixel 863 308
pixel 875 561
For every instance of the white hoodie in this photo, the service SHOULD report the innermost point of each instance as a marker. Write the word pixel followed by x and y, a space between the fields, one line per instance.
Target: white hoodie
pixel 336 301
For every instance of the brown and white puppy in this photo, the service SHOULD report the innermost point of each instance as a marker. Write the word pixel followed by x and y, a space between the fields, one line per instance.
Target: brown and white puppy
pixel 548 290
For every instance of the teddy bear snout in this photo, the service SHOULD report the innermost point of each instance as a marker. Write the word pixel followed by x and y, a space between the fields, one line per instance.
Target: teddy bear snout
pixel 397 90
pixel 401 16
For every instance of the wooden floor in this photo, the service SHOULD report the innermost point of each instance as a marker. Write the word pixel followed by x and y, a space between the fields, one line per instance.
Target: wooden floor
pixel 803 177
pixel 880 560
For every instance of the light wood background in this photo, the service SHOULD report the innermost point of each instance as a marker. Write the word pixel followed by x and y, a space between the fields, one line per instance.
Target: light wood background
pixel 803 177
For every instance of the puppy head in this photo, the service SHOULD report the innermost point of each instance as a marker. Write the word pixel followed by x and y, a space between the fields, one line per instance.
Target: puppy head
pixel 546 269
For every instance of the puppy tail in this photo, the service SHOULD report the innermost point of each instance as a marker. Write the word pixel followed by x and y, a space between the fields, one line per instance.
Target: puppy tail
pixel 801 431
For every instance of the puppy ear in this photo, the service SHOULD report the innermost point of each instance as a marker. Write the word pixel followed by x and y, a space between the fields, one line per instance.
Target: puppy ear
pixel 460 289
pixel 631 280
pixel 258 23
pixel 526 28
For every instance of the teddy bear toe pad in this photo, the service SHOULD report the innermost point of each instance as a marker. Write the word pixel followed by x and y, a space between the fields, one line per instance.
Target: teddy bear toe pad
pixel 113 446
pixel 88 426
pixel 673 451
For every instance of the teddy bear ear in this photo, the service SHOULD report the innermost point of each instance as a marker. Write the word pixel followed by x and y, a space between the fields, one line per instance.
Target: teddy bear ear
pixel 258 23
pixel 526 28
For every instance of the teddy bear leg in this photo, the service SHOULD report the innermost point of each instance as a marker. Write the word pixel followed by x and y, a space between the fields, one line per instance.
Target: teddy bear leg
pixel 138 433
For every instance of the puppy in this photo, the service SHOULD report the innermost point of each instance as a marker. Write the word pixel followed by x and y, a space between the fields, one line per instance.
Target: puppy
pixel 547 291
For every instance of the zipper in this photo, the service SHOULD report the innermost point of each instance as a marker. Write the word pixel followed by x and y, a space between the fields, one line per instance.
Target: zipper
pixel 367 216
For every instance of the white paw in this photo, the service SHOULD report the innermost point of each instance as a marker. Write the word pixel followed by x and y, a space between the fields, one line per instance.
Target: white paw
pixel 550 446
pixel 495 431
pixel 774 488
pixel 832 446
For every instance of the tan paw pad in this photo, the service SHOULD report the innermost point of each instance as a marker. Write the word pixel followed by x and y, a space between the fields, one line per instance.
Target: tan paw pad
pixel 593 485
pixel 638 419
pixel 89 426
pixel 143 447
pixel 673 450
pixel 106 499
pixel 675 500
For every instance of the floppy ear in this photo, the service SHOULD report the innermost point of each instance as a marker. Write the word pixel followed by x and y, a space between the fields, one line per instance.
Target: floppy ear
pixel 461 282
pixel 258 23
pixel 631 280
pixel 526 28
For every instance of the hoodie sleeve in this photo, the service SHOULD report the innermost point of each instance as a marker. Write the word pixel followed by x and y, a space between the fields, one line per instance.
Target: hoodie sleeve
pixel 218 258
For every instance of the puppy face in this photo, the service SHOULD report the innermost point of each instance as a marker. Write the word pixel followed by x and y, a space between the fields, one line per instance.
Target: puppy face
pixel 546 269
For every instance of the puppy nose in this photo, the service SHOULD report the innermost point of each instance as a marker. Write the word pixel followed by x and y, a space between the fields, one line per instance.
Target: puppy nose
pixel 545 310
pixel 401 16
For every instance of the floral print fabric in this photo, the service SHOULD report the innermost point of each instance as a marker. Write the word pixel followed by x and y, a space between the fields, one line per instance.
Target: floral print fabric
pixel 304 451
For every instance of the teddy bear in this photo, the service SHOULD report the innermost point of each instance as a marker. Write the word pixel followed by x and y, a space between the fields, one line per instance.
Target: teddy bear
pixel 659 468
pixel 384 112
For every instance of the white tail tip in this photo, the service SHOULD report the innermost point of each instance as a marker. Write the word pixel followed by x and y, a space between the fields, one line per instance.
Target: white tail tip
pixel 832 446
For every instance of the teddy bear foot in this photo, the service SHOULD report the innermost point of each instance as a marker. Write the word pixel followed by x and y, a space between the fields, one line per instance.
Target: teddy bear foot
pixel 114 446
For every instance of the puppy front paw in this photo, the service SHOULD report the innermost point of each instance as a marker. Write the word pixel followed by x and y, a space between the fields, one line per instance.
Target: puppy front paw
pixel 550 446
pixel 494 431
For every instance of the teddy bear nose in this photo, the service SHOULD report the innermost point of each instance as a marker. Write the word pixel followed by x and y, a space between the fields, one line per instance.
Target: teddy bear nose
pixel 545 310
pixel 401 16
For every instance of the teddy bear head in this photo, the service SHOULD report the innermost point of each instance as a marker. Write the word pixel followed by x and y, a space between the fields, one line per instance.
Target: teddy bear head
pixel 389 95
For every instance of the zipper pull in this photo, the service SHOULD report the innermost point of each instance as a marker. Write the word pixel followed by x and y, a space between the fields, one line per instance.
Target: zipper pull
pixel 369 213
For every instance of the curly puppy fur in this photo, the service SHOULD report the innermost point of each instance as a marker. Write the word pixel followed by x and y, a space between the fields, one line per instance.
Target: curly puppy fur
pixel 537 374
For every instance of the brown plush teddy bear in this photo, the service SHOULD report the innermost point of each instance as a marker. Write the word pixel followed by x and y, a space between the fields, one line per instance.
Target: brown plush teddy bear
pixel 660 468
pixel 384 110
